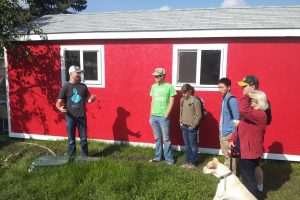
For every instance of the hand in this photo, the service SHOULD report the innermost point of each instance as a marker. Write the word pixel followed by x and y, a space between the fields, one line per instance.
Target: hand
pixel 231 144
pixel 62 109
pixel 235 122
pixel 92 98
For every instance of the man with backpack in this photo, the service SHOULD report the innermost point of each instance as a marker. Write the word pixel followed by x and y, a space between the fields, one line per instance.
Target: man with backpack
pixel 229 113
pixel 190 115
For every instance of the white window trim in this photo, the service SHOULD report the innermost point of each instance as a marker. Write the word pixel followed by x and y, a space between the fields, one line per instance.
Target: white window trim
pixel 100 83
pixel 199 47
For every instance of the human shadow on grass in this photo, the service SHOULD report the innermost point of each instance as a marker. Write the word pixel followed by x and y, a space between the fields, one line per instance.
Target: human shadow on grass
pixel 276 173
pixel 178 156
pixel 108 150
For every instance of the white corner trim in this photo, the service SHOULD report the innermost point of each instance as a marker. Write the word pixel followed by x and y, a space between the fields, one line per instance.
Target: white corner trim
pixel 271 156
pixel 7 90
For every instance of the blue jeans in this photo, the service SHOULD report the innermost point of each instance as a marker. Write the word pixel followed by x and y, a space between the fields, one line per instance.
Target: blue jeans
pixel 80 123
pixel 161 130
pixel 190 142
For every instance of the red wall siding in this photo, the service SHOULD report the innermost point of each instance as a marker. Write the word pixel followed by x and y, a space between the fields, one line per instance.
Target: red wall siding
pixel 121 111
pixel 277 64
pixel 33 86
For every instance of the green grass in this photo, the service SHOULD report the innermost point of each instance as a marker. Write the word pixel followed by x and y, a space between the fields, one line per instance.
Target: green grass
pixel 123 172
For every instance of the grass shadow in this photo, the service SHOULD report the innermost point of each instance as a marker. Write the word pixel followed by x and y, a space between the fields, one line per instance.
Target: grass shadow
pixel 276 173
pixel 5 140
pixel 107 151
pixel 178 156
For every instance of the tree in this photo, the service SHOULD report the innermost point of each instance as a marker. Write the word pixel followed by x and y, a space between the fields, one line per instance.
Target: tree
pixel 45 7
pixel 13 16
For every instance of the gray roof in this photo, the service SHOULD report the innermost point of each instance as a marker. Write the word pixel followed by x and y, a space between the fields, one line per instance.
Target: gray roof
pixel 175 20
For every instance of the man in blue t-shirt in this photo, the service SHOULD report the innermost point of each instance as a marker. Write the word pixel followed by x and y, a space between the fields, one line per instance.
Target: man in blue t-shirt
pixel 71 101
pixel 229 112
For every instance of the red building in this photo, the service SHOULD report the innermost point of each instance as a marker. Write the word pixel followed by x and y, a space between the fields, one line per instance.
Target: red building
pixel 120 50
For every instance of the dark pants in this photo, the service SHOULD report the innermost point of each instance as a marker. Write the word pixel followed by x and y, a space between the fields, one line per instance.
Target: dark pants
pixel 80 123
pixel 248 174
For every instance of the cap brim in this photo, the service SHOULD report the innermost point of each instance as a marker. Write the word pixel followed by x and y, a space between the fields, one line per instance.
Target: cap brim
pixel 156 74
pixel 242 83
pixel 79 71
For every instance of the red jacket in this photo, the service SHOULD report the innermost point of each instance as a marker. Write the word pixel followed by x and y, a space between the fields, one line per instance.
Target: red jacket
pixel 251 130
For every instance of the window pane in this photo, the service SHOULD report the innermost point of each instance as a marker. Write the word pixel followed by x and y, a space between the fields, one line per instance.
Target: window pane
pixel 71 58
pixel 210 67
pixel 90 65
pixel 187 66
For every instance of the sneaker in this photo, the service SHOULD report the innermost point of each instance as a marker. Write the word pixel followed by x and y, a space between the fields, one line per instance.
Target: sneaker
pixel 153 160
pixel 184 165
pixel 170 163
pixel 260 195
pixel 190 166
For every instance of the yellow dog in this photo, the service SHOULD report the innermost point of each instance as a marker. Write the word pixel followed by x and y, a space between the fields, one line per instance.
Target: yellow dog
pixel 229 186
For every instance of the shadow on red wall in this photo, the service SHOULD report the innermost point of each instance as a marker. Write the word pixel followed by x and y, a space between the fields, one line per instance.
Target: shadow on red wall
pixel 34 82
pixel 120 129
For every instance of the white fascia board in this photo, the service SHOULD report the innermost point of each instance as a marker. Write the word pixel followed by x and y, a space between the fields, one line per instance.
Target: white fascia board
pixel 170 34
pixel 272 156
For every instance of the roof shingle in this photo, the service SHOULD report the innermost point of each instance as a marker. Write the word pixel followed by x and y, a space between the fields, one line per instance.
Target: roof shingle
pixel 175 20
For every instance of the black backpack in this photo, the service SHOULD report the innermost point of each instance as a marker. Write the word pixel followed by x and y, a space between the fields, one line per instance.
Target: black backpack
pixel 203 110
pixel 229 107
pixel 269 114
pixel 268 111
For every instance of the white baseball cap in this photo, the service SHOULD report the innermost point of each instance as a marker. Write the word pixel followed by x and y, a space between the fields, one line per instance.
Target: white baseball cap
pixel 74 68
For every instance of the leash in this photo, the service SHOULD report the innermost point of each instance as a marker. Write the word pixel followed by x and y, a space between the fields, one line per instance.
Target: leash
pixel 224 177
pixel 230 166
pixel 228 174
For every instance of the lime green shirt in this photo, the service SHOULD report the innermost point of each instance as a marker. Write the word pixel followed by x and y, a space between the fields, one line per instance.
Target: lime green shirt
pixel 161 97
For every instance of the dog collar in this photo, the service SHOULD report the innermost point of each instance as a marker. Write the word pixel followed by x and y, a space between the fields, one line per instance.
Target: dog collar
pixel 226 175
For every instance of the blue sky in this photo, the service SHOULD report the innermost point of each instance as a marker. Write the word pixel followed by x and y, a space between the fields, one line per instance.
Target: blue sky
pixel 133 5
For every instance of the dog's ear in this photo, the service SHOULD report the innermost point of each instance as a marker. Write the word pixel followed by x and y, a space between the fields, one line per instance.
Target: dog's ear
pixel 215 160
pixel 212 165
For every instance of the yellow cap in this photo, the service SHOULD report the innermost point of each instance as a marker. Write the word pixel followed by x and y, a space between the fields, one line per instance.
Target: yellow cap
pixel 242 83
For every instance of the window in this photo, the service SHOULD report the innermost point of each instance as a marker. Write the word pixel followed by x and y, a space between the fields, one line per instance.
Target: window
pixel 199 65
pixel 89 58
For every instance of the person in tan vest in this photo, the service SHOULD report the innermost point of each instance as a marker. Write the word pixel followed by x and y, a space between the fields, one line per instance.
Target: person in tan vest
pixel 190 116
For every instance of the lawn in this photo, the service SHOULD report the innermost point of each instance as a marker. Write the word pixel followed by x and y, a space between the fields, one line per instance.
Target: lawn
pixel 123 172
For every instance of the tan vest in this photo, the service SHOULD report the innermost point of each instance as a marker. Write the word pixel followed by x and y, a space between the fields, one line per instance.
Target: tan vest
pixel 190 114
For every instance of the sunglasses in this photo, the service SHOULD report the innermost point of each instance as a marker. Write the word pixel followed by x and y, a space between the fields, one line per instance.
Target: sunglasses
pixel 157 76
